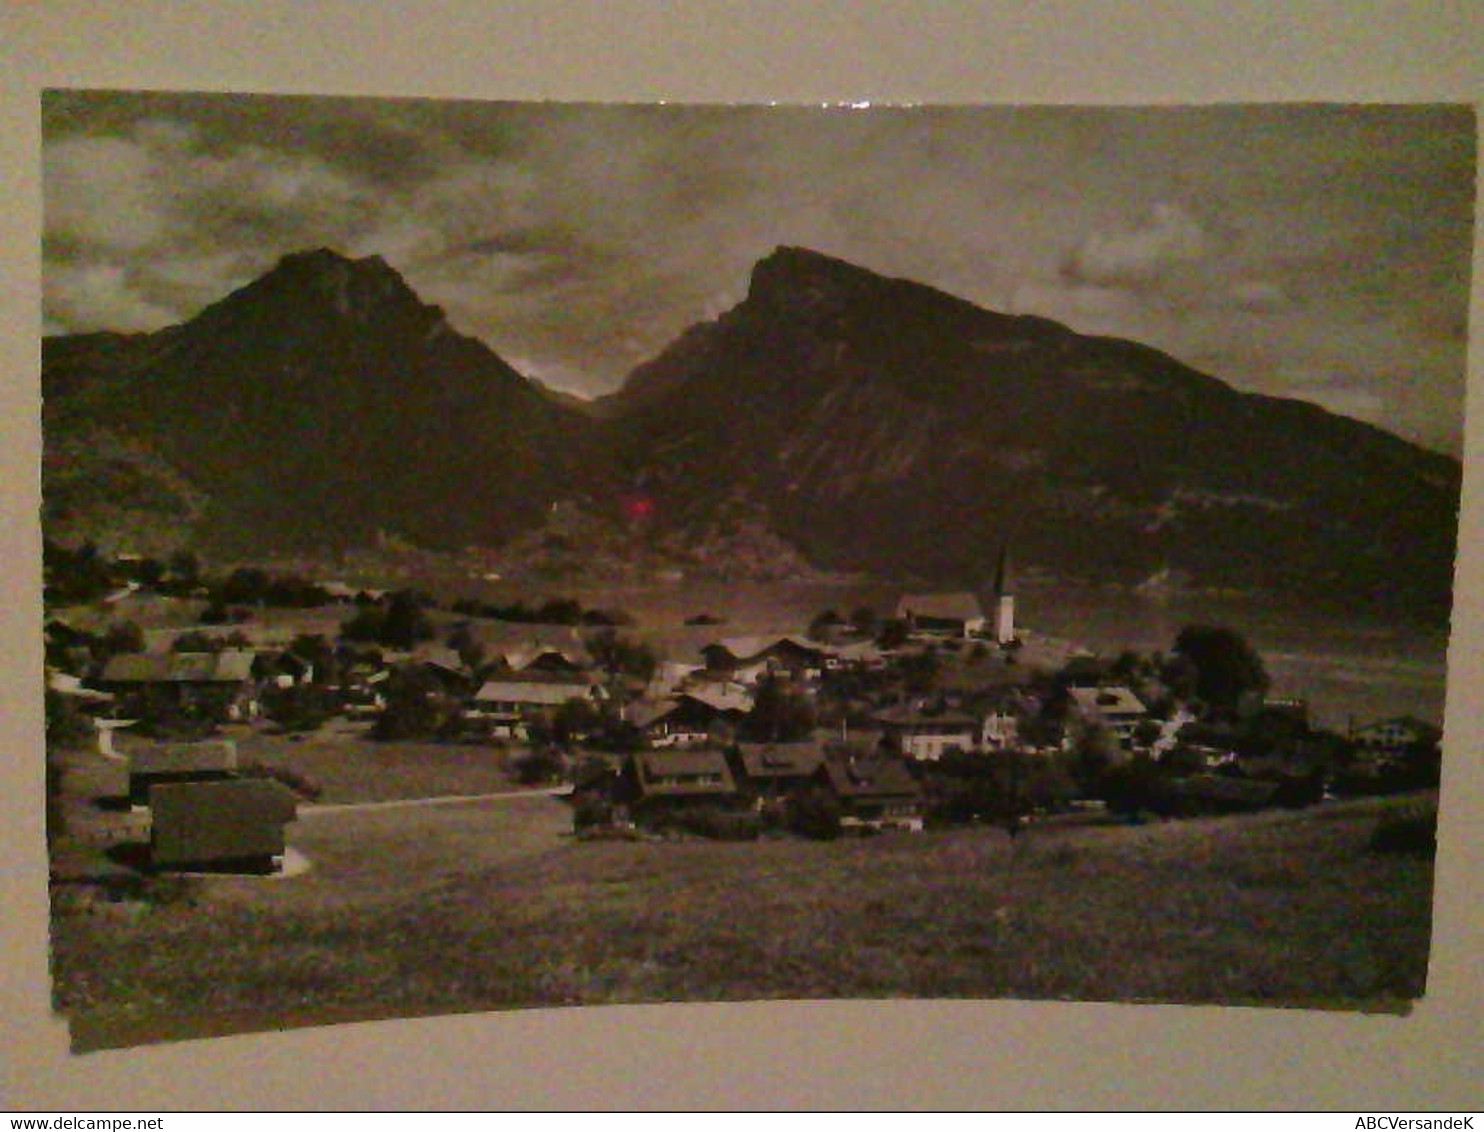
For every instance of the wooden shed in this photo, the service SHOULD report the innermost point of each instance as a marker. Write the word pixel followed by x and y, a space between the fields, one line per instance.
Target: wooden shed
pixel 235 823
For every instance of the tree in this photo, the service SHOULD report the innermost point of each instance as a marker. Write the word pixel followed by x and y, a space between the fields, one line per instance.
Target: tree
pixel 573 721
pixel 246 585
pixel 406 624
pixel 74 577
pixel 619 655
pixel 815 813
pixel 1135 786
pixel 894 634
pixel 1226 666
pixel 825 625
pixel 196 641
pixel 778 715
pixel 1095 750
pixel 184 570
pixel 300 708
pixel 121 637
pixel 415 708
pixel 865 621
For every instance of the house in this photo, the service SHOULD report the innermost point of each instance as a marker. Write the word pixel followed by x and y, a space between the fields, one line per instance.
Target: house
pixel 506 706
pixel 874 793
pixel 671 779
pixel 1111 706
pixel 748 659
pixel 216 686
pixel 362 690
pixel 669 675
pixel 942 614
pixel 858 656
pixel 231 823
pixel 1000 729
pixel 917 733
pixel 773 770
pixel 446 666
pixel 283 669
pixel 162 764
pixel 690 718
pixel 670 721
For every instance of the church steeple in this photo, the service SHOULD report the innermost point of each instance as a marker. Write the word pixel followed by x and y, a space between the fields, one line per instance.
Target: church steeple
pixel 1004 599
pixel 1002 573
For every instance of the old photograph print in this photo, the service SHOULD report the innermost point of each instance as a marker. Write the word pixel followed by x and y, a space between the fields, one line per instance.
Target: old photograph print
pixel 510 555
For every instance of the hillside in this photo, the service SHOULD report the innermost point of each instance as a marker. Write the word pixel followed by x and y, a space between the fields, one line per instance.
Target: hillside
pixel 834 420
pixel 889 427
pixel 320 404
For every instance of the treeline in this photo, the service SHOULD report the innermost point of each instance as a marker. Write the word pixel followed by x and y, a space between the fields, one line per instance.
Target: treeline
pixel 84 575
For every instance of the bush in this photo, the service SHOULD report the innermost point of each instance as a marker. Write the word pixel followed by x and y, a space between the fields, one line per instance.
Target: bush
pixel 537 766
pixel 1415 834
pixel 302 708
pixel 815 814
pixel 591 808
pixel 716 823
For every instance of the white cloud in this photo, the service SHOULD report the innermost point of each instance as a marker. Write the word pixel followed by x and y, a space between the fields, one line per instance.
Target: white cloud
pixel 102 192
pixel 1086 309
pixel 99 297
pixel 1259 295
pixel 1140 254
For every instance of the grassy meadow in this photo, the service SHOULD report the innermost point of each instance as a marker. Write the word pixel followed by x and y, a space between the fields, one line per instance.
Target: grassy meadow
pixel 493 905
pixel 349 767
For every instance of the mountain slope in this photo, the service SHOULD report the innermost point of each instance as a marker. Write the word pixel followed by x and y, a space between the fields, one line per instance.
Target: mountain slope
pixel 875 425
pixel 887 426
pixel 324 402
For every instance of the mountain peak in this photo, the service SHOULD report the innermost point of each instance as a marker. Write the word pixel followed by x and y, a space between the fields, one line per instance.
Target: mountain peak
pixel 788 268
pixel 364 291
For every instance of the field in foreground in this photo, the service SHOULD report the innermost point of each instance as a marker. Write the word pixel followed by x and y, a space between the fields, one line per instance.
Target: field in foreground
pixel 491 905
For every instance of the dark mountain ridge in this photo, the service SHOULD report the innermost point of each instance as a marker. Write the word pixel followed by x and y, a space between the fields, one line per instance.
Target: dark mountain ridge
pixel 878 425
pixel 888 427
pixel 323 403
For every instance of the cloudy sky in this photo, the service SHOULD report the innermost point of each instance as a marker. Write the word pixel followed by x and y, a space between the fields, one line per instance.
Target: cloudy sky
pixel 1315 252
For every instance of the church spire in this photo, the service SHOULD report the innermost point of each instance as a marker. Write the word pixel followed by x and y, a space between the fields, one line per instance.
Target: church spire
pixel 1002 572
pixel 1004 599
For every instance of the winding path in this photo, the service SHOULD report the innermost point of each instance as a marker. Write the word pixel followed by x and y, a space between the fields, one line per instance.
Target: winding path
pixel 312 811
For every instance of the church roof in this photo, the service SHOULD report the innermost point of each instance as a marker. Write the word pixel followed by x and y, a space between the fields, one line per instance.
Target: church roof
pixel 941 607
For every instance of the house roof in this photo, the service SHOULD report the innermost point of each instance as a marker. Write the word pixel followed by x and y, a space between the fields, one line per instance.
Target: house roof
pixel 872 778
pixel 780 760
pixel 207 821
pixel 1107 699
pixel 641 713
pixel 215 756
pixel 503 638
pixel 941 606
pixel 545 693
pixel 720 699
pixel 743 649
pixel 440 656
pixel 859 652
pixel 228 666
pixel 523 657
pixel 906 715
pixel 653 767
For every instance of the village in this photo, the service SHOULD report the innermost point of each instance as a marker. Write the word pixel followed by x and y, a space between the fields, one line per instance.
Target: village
pixel 209 710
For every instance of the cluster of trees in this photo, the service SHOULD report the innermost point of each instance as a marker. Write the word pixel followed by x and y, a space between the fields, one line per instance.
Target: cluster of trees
pixel 554 611
pixel 84 574
pixel 400 623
